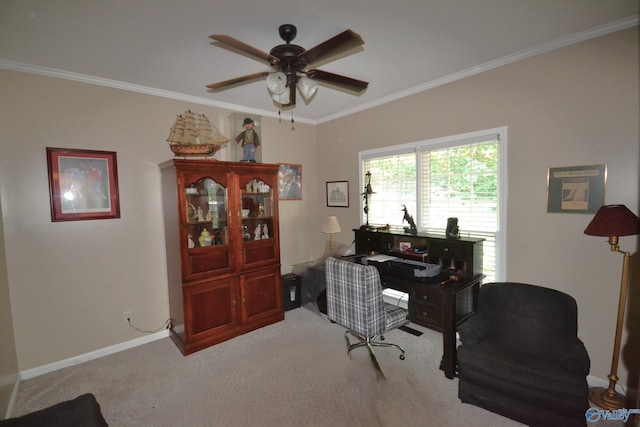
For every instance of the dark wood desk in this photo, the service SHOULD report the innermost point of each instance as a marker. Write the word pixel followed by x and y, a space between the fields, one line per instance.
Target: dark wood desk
pixel 441 307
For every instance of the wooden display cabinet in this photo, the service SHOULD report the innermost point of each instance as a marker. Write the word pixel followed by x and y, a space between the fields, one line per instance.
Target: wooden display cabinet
pixel 223 250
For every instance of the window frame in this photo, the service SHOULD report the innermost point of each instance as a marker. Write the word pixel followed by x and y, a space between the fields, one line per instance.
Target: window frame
pixel 499 133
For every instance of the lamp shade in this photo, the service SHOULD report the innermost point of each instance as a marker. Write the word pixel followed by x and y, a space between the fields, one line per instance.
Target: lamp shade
pixel 613 220
pixel 331 225
pixel 277 82
pixel 307 87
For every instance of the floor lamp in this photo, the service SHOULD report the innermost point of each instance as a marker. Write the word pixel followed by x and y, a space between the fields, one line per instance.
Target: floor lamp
pixel 614 221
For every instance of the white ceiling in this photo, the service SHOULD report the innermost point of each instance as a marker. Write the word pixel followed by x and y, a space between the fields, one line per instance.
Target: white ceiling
pixel 162 46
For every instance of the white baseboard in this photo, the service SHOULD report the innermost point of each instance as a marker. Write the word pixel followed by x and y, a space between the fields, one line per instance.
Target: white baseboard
pixel 41 370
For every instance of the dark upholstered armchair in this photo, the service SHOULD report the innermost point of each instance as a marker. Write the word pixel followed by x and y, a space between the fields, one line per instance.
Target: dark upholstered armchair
pixel 521 357
pixel 83 411
pixel 354 300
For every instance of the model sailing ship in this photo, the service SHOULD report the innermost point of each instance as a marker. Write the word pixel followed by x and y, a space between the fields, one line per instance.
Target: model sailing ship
pixel 186 138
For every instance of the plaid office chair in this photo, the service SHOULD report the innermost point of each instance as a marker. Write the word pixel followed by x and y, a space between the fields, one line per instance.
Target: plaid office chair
pixel 354 300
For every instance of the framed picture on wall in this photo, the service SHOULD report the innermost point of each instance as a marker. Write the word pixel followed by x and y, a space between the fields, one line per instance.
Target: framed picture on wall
pixel 338 194
pixel 83 184
pixel 290 182
pixel 576 189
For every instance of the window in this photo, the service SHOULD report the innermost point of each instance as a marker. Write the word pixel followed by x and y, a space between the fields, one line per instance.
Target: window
pixel 459 176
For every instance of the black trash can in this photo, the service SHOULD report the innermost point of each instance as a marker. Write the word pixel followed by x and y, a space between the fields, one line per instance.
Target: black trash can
pixel 291 284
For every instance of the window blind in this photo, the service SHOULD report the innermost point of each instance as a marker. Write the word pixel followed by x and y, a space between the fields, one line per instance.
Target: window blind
pixel 393 179
pixel 456 177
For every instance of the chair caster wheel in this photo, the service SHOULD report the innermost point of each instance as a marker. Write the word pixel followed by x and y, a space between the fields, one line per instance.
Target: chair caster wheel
pixel 402 357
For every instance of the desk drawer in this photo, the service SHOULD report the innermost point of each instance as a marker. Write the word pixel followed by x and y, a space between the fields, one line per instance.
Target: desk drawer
pixel 450 250
pixel 425 295
pixel 428 315
pixel 425 306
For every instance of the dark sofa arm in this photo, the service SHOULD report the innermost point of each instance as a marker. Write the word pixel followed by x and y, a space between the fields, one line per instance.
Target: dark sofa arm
pixel 83 411
pixel 575 357
pixel 473 330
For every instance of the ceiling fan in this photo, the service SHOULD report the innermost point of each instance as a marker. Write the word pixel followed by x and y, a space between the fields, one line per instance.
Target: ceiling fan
pixel 289 63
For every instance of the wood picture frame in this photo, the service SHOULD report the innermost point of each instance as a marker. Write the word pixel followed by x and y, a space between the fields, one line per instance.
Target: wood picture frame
pixel 290 182
pixel 576 189
pixel 338 194
pixel 83 184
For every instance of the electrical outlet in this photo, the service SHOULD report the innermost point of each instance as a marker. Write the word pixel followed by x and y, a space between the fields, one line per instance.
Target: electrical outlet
pixel 127 316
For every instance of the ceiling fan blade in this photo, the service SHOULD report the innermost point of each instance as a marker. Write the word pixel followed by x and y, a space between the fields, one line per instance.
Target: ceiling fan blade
pixel 338 80
pixel 248 49
pixel 237 80
pixel 343 41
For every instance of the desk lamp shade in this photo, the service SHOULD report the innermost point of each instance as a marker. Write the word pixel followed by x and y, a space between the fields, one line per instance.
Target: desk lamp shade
pixel 614 221
pixel 330 226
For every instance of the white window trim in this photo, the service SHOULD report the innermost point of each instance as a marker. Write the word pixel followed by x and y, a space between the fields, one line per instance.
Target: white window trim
pixel 454 140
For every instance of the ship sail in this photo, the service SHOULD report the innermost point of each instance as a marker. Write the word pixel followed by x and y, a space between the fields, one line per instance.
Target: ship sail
pixel 190 131
pixel 208 134
pixel 205 132
pixel 177 131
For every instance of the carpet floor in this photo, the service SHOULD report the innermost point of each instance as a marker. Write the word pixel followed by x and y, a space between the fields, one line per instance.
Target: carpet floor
pixel 293 373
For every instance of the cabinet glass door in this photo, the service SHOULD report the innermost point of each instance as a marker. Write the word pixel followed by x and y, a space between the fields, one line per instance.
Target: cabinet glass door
pixel 206 226
pixel 257 221
pixel 257 211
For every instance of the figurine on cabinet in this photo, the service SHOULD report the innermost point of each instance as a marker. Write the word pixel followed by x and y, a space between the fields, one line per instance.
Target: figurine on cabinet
pixel 452 228
pixel 257 233
pixel 205 238
pixel 249 141
pixel 265 231
pixel 245 233
pixel 412 229
pixel 199 214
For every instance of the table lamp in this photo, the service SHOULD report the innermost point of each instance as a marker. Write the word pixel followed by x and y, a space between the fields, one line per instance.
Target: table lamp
pixel 614 221
pixel 330 226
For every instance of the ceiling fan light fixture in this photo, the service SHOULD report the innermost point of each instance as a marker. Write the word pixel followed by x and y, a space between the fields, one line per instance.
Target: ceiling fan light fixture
pixel 289 62
pixel 307 87
pixel 282 98
pixel 277 83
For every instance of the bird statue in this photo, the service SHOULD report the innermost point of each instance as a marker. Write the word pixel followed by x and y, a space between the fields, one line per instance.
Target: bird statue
pixel 412 229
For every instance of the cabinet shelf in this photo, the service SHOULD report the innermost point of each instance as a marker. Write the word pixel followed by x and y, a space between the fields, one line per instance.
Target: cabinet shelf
pixel 208 223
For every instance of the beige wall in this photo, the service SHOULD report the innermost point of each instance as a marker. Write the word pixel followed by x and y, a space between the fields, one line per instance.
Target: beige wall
pixel 70 282
pixel 8 358
pixel 575 106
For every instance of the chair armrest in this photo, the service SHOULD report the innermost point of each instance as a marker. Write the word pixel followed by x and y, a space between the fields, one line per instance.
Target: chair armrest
pixel 574 357
pixel 473 330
